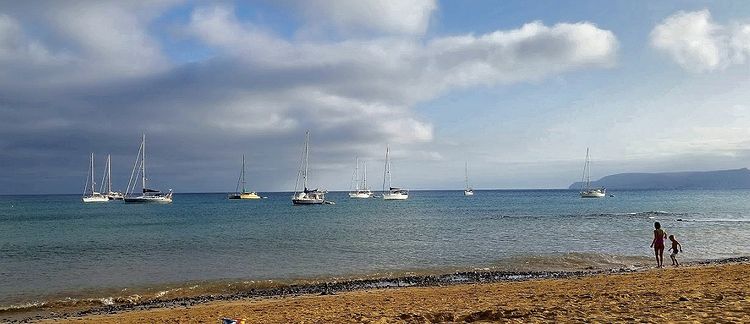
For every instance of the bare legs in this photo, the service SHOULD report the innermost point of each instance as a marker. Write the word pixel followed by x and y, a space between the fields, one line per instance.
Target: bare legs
pixel 659 253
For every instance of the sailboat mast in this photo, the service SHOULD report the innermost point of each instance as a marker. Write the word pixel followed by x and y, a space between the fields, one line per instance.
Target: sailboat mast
pixel 109 173
pixel 390 179
pixel 242 176
pixel 86 186
pixel 307 152
pixel 588 169
pixel 387 171
pixel 92 174
pixel 364 176
pixel 584 178
pixel 466 174
pixel 356 174
pixel 104 177
pixel 143 162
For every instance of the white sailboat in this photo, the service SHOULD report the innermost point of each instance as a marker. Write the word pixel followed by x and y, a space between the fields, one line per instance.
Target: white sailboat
pixel 306 196
pixel 393 193
pixel 244 194
pixel 93 196
pixel 360 185
pixel 107 180
pixel 147 195
pixel 586 190
pixel 468 191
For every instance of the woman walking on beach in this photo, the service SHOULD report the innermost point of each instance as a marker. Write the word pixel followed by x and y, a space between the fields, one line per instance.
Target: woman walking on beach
pixel 658 244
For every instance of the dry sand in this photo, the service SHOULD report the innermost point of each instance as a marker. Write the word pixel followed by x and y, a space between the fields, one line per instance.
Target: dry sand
pixel 715 293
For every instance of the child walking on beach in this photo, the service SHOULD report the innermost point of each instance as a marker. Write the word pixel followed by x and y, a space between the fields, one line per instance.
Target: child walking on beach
pixel 658 244
pixel 676 246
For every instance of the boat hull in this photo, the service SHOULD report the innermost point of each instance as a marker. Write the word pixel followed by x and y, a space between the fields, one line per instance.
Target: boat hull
pixel 307 201
pixel 395 196
pixel 360 195
pixel 95 199
pixel 115 196
pixel 309 198
pixel 244 195
pixel 594 193
pixel 149 200
pixel 468 192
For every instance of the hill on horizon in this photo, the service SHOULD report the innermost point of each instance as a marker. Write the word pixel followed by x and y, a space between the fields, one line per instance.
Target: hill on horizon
pixel 720 179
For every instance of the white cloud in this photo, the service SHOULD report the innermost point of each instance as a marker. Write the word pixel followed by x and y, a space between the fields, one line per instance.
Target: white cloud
pixel 379 16
pixel 528 53
pixel 375 81
pixel 218 26
pixel 698 44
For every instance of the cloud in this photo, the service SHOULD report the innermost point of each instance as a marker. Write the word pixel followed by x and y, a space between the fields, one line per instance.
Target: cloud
pixel 79 41
pixel 112 34
pixel 698 44
pixel 17 48
pixel 22 55
pixel 531 52
pixel 371 16
pixel 372 83
pixel 404 70
pixel 256 94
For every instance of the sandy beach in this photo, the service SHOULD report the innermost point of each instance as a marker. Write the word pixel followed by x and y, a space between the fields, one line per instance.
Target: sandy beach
pixel 693 293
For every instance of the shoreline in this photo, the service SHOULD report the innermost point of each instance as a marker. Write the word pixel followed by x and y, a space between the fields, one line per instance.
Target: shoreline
pixel 116 295
pixel 334 287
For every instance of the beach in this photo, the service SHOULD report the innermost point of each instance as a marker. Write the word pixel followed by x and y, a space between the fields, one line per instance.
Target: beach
pixel 63 259
pixel 699 292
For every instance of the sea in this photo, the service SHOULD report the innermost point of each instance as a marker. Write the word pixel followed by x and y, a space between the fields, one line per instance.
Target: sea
pixel 55 249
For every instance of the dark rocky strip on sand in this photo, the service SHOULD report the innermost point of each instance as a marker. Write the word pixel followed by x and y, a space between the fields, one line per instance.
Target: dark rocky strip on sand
pixel 333 287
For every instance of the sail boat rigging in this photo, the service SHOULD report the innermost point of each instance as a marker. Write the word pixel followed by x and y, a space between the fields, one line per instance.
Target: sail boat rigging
pixel 468 191
pixel 94 196
pixel 306 196
pixel 107 180
pixel 244 194
pixel 360 185
pixel 393 193
pixel 586 190
pixel 147 195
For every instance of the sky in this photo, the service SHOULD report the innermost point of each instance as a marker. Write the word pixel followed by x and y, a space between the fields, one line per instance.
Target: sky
pixel 516 89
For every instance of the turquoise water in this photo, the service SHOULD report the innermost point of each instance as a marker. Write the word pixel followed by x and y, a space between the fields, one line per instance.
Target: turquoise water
pixel 57 246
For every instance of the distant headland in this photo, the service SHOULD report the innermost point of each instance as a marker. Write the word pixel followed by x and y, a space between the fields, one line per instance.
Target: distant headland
pixel 720 179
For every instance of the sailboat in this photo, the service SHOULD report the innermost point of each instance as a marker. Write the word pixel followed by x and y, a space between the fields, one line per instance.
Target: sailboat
pixel 586 190
pixel 244 194
pixel 107 179
pixel 306 196
pixel 93 196
pixel 467 190
pixel 360 185
pixel 393 193
pixel 147 195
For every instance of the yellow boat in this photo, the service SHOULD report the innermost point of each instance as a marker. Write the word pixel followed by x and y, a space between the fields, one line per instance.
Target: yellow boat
pixel 244 194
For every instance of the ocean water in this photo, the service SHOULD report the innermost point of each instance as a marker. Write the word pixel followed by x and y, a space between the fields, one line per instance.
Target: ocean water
pixel 55 247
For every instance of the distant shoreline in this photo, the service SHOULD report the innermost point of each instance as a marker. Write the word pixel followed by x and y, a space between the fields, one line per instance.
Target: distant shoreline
pixel 336 287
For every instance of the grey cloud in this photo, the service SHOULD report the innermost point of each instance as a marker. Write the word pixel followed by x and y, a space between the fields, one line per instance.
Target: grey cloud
pixel 368 16
pixel 256 96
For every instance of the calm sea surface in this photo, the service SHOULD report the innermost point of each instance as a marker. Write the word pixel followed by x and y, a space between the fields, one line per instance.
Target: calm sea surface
pixel 57 246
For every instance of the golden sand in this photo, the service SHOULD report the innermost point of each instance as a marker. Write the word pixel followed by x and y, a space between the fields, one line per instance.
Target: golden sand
pixel 716 293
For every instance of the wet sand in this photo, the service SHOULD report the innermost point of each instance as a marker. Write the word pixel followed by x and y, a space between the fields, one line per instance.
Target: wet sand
pixel 704 293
